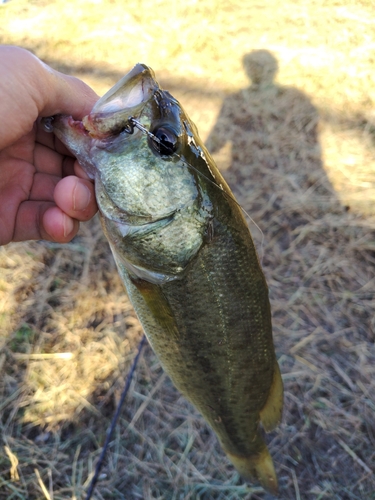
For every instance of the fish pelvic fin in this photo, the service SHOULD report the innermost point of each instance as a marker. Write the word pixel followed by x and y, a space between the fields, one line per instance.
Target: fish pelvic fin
pixel 257 467
pixel 270 414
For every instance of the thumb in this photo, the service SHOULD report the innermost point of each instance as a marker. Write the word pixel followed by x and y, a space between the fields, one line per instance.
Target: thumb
pixel 29 88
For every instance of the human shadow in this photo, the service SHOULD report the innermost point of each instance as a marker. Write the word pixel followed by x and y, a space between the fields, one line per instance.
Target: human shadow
pixel 318 262
pixel 275 160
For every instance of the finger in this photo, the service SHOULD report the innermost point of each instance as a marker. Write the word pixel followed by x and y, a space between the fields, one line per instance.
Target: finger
pixel 43 220
pixel 76 197
pixel 48 161
pixel 50 140
pixel 43 187
pixel 59 226
pixel 68 167
pixel 79 171
pixel 44 137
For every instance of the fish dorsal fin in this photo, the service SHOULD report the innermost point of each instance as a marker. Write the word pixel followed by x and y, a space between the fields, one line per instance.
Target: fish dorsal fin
pixel 270 414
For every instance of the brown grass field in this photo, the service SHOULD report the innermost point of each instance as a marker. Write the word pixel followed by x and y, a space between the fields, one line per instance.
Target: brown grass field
pixel 297 146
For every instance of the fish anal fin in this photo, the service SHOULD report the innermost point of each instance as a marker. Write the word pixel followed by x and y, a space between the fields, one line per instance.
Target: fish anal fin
pixel 257 467
pixel 270 414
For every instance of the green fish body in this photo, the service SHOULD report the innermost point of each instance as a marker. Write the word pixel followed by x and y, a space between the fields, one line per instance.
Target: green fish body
pixel 187 259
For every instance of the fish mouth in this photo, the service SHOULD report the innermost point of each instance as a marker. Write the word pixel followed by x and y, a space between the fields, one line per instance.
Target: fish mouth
pixel 111 114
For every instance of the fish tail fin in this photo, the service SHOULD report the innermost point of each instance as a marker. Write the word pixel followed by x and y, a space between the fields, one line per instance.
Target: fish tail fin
pixel 258 467
pixel 270 414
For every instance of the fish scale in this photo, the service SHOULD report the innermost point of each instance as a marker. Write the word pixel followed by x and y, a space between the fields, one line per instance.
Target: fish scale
pixel 187 259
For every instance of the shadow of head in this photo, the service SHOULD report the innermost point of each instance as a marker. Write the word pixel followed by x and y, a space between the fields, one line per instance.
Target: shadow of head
pixel 261 67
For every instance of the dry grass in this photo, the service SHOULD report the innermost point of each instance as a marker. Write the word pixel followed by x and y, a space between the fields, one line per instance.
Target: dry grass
pixel 299 154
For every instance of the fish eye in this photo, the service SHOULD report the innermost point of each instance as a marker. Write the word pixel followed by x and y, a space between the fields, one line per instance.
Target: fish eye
pixel 166 141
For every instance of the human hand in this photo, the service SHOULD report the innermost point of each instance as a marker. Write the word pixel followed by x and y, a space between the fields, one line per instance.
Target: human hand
pixel 44 193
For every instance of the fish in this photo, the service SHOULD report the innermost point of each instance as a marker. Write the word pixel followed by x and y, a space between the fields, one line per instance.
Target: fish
pixel 186 256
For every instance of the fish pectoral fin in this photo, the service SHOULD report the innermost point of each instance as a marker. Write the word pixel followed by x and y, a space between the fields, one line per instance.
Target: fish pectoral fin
pixel 158 306
pixel 257 467
pixel 270 414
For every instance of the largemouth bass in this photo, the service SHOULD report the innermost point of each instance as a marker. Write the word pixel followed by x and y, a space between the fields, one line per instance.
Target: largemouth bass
pixel 187 259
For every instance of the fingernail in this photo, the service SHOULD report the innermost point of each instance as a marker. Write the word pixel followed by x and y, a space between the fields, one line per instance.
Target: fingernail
pixel 81 197
pixel 68 225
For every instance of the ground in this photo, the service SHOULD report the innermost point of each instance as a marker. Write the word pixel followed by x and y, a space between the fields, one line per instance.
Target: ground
pixel 296 144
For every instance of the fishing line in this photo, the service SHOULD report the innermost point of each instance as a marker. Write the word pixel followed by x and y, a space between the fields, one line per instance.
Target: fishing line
pixel 115 418
pixel 143 129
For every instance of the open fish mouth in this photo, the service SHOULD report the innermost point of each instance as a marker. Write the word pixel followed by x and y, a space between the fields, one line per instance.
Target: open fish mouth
pixel 138 83
pixel 126 99
pixel 112 113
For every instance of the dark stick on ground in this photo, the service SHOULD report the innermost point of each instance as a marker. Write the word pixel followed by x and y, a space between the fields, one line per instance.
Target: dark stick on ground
pixel 114 421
